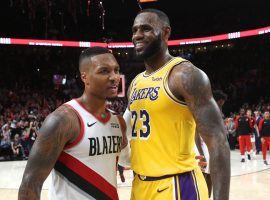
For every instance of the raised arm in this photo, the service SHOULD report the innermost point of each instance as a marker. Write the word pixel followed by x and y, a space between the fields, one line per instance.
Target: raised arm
pixel 58 129
pixel 188 82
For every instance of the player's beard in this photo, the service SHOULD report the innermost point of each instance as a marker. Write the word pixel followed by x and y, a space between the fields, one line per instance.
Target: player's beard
pixel 151 50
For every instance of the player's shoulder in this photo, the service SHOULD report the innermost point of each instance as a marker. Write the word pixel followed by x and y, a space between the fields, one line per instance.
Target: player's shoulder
pixel 190 81
pixel 62 121
pixel 62 114
pixel 188 68
pixel 64 111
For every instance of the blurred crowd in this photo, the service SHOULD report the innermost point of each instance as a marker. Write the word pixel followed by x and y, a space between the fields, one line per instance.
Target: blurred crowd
pixel 22 113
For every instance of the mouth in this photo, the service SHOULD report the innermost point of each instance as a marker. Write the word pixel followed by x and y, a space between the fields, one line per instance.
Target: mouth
pixel 139 46
pixel 113 88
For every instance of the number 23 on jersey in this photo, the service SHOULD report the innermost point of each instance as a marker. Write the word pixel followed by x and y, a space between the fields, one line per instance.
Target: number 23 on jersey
pixel 140 124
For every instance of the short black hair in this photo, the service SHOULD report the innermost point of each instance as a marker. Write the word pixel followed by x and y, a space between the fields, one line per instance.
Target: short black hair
pixel 92 51
pixel 219 95
pixel 161 15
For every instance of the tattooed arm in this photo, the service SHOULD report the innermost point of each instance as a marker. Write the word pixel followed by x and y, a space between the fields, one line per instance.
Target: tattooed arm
pixel 59 128
pixel 188 82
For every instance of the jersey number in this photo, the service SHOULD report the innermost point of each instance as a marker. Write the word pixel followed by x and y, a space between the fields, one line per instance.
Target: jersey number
pixel 144 117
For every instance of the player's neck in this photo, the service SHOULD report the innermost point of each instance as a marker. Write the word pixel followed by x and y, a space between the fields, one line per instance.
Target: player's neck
pixel 157 61
pixel 95 105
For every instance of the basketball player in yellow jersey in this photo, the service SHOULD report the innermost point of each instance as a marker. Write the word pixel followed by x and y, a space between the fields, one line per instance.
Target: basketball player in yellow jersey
pixel 167 103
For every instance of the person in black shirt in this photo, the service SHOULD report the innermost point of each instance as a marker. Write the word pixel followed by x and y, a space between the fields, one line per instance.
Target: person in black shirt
pixel 243 125
pixel 258 143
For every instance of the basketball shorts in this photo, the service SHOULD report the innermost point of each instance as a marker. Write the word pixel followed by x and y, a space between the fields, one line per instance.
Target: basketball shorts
pixel 185 186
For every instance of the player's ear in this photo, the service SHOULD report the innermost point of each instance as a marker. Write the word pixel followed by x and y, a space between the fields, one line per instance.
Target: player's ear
pixel 84 77
pixel 167 32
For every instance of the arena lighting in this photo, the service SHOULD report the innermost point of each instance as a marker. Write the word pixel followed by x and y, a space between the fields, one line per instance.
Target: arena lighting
pixel 145 1
pixel 201 40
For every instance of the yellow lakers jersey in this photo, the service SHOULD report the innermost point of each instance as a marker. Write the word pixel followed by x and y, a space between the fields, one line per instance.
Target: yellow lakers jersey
pixel 163 128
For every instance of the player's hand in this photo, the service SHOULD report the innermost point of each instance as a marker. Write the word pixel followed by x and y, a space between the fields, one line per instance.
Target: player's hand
pixel 202 162
pixel 262 140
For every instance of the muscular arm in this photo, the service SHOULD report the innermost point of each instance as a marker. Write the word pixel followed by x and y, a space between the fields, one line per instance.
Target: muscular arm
pixel 58 129
pixel 193 85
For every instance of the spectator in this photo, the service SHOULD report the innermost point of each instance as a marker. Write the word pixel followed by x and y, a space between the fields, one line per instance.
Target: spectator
pixel 230 127
pixel 243 127
pixel 17 147
pixel 5 147
pixel 264 127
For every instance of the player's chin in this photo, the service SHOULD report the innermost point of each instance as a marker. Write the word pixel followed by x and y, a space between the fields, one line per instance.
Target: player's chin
pixel 140 55
pixel 112 94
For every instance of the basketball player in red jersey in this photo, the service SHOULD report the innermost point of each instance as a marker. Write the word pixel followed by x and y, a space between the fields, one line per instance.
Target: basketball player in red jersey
pixel 79 141
pixel 253 131
pixel 264 127
pixel 244 125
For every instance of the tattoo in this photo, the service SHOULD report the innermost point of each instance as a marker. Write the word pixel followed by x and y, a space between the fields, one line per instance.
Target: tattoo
pixel 195 83
pixel 197 86
pixel 196 90
pixel 55 132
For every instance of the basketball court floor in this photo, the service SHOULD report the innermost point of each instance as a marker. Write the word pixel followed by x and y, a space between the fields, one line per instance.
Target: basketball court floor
pixel 249 181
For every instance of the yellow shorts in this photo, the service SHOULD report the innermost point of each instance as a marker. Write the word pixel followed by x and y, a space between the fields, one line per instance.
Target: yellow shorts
pixel 185 186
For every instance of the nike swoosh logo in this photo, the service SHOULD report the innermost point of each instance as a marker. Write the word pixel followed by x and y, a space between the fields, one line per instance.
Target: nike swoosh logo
pixel 89 125
pixel 161 190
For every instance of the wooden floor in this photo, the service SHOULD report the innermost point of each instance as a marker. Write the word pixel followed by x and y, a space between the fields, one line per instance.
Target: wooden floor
pixel 249 181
